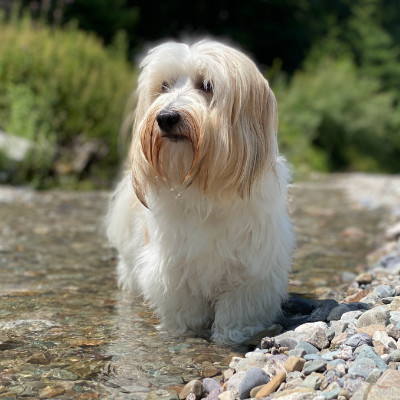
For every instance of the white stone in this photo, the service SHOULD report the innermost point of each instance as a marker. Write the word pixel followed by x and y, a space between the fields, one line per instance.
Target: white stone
pixel 385 339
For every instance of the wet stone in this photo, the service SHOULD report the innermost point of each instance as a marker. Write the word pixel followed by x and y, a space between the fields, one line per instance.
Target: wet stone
pixel 62 375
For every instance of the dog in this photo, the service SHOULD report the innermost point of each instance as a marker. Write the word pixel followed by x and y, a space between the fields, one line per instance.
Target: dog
pixel 200 218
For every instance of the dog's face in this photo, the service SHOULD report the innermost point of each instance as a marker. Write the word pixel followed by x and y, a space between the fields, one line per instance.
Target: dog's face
pixel 206 117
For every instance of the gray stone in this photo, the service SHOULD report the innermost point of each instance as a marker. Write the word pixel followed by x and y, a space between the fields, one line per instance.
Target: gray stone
pixel 323 309
pixel 330 355
pixel 314 333
pixel 377 315
pixel 351 316
pixel 393 331
pixel 254 377
pixel 311 357
pixel 297 353
pixel 366 351
pixel 336 362
pixel 288 342
pixel 213 395
pixel 354 385
pixel 331 394
pixel 234 382
pixel 358 340
pixel 307 347
pixel 313 366
pixel 394 317
pixel 361 368
pixel 194 387
pixel 337 312
pixel 395 356
pixel 358 305
pixel 210 384
pixel 385 291
pixel 312 381
pixel 337 327
pixel 374 375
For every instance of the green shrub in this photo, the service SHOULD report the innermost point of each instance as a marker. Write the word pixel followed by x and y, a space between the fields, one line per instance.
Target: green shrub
pixel 332 117
pixel 57 88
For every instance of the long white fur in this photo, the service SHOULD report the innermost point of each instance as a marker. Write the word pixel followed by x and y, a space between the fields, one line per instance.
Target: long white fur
pixel 205 255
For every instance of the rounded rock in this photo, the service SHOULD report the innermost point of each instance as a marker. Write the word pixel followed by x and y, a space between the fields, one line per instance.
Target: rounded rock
pixel 254 377
pixel 210 384
pixel 377 315
pixel 314 366
pixel 361 368
pixel 337 312
pixel 358 340
pixel 385 291
pixel 307 347
pixel 195 387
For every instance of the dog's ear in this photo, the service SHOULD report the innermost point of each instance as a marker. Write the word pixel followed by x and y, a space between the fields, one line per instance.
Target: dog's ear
pixel 255 126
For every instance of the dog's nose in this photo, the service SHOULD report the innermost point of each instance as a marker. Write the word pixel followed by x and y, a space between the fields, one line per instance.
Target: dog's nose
pixel 167 120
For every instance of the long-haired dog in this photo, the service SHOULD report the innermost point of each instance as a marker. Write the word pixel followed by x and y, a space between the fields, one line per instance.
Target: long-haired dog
pixel 200 219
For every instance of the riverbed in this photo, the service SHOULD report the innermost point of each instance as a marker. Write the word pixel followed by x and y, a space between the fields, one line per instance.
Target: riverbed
pixel 67 331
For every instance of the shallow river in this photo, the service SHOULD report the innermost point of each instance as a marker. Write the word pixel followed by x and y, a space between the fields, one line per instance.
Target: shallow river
pixel 66 331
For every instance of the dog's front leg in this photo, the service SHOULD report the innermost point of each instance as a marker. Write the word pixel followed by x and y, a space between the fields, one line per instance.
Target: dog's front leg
pixel 180 312
pixel 243 312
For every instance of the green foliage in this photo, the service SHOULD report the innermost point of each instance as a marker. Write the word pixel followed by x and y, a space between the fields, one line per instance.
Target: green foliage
pixel 59 85
pixel 333 118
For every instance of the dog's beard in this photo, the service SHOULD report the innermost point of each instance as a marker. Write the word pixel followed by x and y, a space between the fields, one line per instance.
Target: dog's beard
pixel 172 156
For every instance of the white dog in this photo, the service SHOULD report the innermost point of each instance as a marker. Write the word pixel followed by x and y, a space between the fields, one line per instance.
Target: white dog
pixel 200 220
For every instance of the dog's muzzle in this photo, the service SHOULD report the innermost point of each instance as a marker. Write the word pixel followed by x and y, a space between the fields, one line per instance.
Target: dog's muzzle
pixel 168 121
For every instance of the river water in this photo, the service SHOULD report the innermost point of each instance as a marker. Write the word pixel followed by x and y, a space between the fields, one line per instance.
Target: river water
pixel 67 331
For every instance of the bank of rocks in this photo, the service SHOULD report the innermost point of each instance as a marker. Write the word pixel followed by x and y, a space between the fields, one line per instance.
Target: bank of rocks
pixel 326 349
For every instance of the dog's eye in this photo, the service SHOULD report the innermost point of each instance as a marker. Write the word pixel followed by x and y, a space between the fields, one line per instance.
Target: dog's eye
pixel 207 86
pixel 165 87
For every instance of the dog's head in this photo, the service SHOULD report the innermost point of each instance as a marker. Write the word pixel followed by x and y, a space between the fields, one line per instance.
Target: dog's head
pixel 206 117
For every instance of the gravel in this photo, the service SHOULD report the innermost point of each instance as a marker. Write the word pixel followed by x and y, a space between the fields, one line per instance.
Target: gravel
pixel 341 349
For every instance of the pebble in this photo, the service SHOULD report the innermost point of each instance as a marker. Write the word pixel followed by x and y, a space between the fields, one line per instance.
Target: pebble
pixel 313 366
pixel 368 352
pixel 227 395
pixel 272 385
pixel 351 316
pixel 361 367
pixel 294 364
pixel 210 384
pixel 307 347
pixel 333 350
pixel 254 377
pixel 234 382
pixel 195 387
pixel 377 315
pixel 321 313
pixel 385 291
pixel 337 312
pixel 358 339
pixel 313 381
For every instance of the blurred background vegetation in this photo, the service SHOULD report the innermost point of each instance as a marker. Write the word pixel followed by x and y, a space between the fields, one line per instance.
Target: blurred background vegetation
pixel 67 70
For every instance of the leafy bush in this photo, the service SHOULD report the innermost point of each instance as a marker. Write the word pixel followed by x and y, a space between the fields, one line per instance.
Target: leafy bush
pixel 62 89
pixel 332 117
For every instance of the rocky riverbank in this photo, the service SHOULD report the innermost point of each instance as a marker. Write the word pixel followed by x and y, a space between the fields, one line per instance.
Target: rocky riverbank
pixel 327 349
